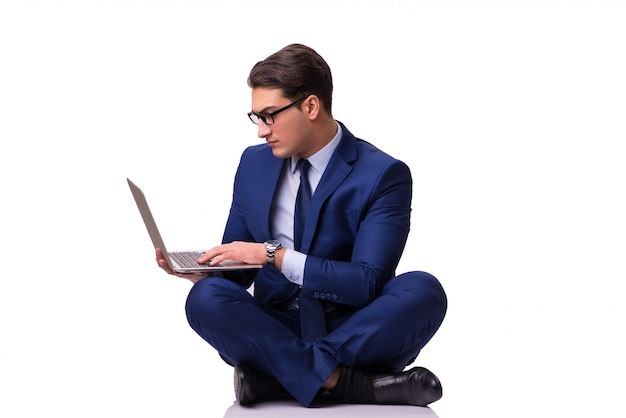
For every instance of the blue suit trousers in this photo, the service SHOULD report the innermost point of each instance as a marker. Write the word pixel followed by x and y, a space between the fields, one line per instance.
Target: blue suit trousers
pixel 386 334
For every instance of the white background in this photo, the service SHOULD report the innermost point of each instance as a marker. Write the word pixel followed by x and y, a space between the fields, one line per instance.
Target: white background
pixel 509 113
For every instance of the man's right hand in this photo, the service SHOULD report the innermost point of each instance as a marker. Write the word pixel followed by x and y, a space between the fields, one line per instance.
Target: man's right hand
pixel 193 277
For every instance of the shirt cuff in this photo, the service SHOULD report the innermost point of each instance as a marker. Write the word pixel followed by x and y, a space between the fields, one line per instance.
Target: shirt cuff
pixel 293 266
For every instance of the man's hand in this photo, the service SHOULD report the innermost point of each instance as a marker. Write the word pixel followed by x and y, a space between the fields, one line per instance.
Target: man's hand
pixel 248 252
pixel 193 277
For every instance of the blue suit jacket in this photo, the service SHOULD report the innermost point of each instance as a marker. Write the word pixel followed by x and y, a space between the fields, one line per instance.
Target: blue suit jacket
pixel 356 226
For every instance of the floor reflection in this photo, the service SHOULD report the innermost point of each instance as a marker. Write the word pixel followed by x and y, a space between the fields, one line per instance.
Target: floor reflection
pixel 293 409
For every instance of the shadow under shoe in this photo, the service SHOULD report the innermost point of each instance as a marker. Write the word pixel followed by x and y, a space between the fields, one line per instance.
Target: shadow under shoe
pixel 253 386
pixel 417 386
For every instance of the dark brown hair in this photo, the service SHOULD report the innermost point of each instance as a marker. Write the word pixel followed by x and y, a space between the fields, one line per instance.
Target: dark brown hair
pixel 298 71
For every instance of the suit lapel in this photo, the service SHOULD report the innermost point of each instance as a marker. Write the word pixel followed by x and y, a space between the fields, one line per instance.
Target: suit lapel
pixel 336 172
pixel 273 169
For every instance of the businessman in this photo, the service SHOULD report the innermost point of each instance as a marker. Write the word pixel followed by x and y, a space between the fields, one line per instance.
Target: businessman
pixel 328 216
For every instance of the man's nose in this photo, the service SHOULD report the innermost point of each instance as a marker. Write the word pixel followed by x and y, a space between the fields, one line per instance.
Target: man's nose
pixel 264 129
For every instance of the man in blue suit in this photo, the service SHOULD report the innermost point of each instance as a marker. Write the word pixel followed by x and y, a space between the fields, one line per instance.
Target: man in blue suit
pixel 328 215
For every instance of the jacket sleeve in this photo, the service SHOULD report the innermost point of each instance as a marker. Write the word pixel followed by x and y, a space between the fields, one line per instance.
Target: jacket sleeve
pixel 236 229
pixel 358 244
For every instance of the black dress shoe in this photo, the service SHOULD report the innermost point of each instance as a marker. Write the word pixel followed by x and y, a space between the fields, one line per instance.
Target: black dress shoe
pixel 253 386
pixel 418 386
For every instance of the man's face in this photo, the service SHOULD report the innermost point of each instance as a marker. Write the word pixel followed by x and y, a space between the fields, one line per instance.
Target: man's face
pixel 288 134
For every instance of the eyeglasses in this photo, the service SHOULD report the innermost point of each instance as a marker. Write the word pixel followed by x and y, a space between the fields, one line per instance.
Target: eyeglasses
pixel 268 118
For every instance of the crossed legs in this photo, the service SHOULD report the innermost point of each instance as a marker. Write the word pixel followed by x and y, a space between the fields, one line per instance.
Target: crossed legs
pixel 387 334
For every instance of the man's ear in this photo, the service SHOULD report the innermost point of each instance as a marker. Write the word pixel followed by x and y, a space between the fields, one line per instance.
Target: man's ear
pixel 312 107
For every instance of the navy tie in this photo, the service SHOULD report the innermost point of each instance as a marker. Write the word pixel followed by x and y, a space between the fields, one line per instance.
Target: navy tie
pixel 303 199
pixel 312 317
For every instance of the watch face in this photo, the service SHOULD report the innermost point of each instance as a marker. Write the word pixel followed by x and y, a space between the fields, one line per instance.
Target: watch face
pixel 273 243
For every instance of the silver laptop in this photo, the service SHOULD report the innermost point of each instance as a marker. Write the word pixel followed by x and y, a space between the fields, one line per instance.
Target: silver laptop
pixel 179 261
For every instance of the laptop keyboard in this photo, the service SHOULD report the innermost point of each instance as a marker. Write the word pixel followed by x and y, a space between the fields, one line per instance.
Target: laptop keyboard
pixel 187 259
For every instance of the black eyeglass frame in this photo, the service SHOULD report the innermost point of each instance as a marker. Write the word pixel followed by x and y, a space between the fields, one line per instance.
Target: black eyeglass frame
pixel 265 117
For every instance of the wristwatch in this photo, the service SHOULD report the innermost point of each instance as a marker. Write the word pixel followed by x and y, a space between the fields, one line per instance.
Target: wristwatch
pixel 271 247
